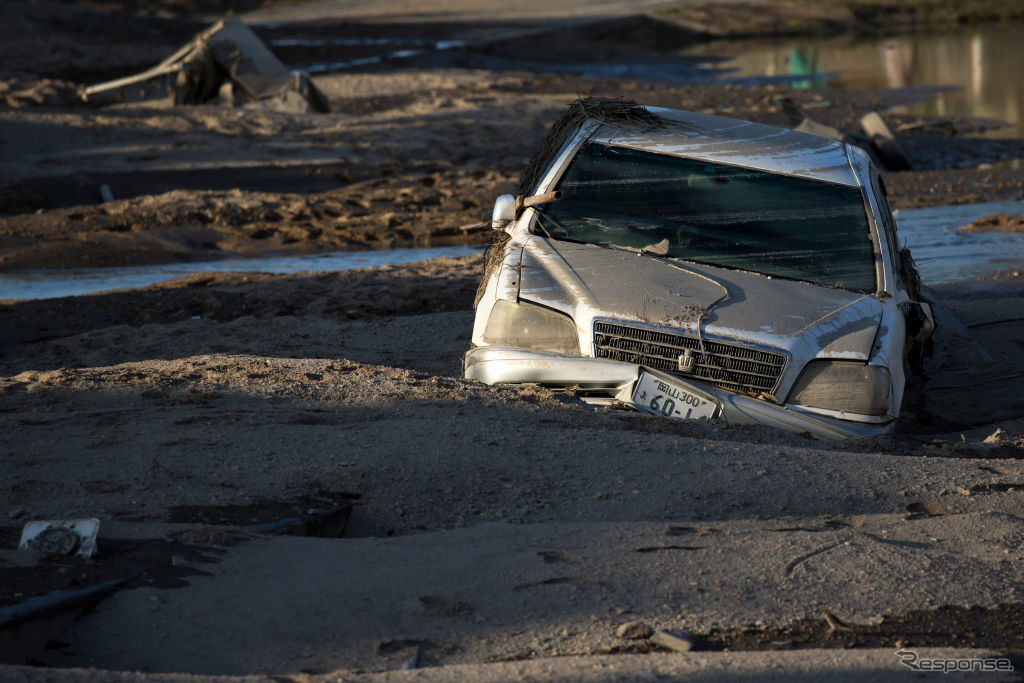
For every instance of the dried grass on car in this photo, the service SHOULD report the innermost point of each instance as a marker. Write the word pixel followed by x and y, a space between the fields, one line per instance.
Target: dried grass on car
pixel 624 112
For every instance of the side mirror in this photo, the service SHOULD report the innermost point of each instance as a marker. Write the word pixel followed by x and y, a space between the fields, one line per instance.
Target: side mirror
pixel 504 213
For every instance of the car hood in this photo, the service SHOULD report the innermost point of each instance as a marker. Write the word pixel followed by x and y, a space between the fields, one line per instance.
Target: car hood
pixel 588 281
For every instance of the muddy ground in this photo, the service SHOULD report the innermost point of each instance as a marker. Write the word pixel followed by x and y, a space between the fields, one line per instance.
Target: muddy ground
pixel 505 525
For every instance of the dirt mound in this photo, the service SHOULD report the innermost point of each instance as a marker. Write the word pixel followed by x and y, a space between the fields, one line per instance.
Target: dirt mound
pixel 404 209
pixel 435 285
pixel 996 223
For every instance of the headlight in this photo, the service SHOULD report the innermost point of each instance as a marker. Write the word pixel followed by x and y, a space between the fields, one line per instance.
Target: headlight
pixel 531 327
pixel 844 387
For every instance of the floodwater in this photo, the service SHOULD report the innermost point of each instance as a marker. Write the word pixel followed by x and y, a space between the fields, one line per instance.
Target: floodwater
pixel 972 72
pixel 941 253
pixel 52 283
pixel 982 67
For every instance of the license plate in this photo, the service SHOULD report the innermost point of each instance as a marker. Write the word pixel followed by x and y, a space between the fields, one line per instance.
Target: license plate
pixel 662 396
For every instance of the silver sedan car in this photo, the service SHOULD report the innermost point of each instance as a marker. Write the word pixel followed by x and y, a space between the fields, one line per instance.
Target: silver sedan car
pixel 697 266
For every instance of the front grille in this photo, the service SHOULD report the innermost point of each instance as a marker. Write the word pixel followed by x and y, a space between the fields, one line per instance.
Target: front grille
pixel 727 365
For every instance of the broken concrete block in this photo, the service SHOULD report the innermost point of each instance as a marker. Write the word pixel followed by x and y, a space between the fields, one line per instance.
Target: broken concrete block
pixel 877 140
pixel 634 630
pixel 679 642
pixel 227 63
pixel 882 139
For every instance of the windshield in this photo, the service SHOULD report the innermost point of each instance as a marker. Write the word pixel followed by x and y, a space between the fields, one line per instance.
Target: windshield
pixel 715 214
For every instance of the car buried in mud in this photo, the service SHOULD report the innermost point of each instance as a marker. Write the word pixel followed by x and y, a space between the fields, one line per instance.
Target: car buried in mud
pixel 697 266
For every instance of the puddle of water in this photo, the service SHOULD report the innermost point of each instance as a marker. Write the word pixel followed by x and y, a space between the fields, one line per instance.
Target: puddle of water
pixel 982 63
pixel 53 283
pixel 421 47
pixel 944 255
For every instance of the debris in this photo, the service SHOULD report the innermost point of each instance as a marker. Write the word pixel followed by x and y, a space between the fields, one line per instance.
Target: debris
pixel 61 536
pixel 44 92
pixel 317 522
pixel 834 622
pixel 607 110
pixel 227 63
pixel 680 642
pixel 996 436
pixel 634 630
pixel 416 657
pixel 877 140
pixel 537 200
pixel 882 139
pixel 947 128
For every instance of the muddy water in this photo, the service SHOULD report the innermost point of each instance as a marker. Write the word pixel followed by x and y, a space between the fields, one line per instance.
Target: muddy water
pixel 979 70
pixel 51 283
pixel 942 255
pixel 982 66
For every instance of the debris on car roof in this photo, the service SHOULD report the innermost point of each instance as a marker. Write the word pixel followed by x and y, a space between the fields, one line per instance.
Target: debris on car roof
pixel 227 63
pixel 603 109
pixel 598 108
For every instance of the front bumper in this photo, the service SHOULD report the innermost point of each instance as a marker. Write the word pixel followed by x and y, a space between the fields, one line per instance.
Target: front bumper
pixel 615 380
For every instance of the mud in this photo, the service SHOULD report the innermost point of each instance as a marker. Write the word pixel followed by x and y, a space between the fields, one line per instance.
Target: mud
pixel 183 412
pixel 432 286
pixel 972 627
pixel 997 223
pixel 404 210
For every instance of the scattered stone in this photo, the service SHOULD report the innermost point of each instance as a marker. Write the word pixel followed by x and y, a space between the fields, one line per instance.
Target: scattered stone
pixel 634 630
pixel 679 642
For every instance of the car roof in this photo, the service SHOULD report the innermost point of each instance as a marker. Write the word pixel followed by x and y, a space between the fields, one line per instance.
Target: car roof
pixel 735 142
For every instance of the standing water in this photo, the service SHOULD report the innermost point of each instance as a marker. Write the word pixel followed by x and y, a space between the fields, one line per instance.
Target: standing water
pixel 942 255
pixel 981 66
pixel 51 283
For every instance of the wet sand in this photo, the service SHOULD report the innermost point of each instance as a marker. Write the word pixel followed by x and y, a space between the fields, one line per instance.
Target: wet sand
pixel 499 525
